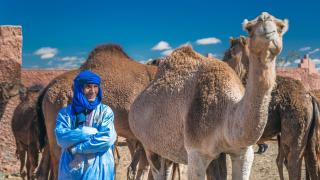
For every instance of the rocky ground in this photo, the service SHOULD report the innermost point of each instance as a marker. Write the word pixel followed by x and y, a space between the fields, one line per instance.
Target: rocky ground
pixel 264 166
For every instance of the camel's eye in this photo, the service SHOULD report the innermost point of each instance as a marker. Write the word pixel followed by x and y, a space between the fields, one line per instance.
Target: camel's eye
pixel 280 28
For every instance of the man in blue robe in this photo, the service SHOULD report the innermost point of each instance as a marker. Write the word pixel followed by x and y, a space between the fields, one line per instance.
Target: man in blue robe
pixel 85 131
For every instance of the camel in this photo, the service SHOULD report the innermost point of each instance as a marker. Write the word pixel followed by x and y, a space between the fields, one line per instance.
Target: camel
pixel 122 80
pixel 25 130
pixel 292 112
pixel 197 108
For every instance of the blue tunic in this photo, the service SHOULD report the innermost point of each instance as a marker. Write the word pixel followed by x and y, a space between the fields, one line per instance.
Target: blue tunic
pixel 87 152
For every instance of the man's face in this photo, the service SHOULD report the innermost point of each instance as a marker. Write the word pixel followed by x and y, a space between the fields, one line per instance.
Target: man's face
pixel 90 91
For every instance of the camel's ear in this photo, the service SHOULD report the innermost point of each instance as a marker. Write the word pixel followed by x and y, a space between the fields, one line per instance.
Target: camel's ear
pixel 23 91
pixel 232 41
pixel 243 40
pixel 14 90
pixel 283 26
pixel 247 25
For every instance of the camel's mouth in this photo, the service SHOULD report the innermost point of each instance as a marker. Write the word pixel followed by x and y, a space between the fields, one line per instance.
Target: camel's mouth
pixel 269 35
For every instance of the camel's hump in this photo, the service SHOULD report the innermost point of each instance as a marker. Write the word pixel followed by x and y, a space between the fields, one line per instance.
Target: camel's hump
pixel 113 49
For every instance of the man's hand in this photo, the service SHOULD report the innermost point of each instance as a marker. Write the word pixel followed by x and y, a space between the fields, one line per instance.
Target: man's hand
pixel 89 130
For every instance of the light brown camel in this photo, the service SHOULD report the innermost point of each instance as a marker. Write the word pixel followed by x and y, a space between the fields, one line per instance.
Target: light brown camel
pixel 25 130
pixel 122 80
pixel 293 112
pixel 197 108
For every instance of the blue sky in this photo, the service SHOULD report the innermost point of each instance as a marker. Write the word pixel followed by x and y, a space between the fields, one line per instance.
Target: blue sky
pixel 61 33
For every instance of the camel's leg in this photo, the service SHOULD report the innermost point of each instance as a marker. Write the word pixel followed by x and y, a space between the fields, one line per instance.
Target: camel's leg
pixel 131 171
pixel 132 145
pixel 280 158
pixel 176 171
pixel 116 154
pixel 44 167
pixel 241 163
pixel 143 167
pixel 138 156
pixel 158 166
pixel 21 153
pixel 217 169
pixel 293 143
pixel 310 158
pixel 135 155
pixel 50 113
pixel 32 158
pixel 150 176
pixel 197 165
pixel 28 168
pixel 294 163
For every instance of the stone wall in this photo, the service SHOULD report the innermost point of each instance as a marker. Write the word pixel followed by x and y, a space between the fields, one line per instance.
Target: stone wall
pixel 10 53
pixel 306 73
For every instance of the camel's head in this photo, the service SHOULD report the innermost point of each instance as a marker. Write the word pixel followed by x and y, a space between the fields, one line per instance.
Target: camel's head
pixel 265 33
pixel 30 93
pixel 156 62
pixel 7 91
pixel 237 57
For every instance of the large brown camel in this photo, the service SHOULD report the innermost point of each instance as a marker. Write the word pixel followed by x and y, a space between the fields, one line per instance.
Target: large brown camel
pixel 197 108
pixel 293 112
pixel 25 130
pixel 122 80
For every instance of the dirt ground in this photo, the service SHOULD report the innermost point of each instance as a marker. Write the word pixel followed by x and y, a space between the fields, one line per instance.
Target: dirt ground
pixel 264 166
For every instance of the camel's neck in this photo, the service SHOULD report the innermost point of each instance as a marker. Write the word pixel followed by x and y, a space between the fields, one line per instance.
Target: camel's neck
pixel 251 113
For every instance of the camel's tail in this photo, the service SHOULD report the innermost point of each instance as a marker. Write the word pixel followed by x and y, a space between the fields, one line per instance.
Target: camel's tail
pixel 312 152
pixel 41 122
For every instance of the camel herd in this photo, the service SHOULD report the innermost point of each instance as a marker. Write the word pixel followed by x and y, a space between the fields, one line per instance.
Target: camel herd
pixel 187 109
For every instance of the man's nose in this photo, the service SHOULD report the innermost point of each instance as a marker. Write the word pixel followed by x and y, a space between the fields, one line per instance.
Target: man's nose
pixel 91 89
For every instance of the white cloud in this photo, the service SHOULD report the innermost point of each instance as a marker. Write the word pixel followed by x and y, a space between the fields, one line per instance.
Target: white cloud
pixel 207 41
pixel 67 62
pixel 316 61
pixel 72 58
pixel 305 48
pixel 287 64
pixel 162 45
pixel 297 61
pixel 314 51
pixel 46 52
pixel 69 58
pixel 167 52
pixel 68 65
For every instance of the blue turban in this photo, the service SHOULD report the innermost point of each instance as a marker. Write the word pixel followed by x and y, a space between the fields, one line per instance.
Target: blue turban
pixel 79 101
